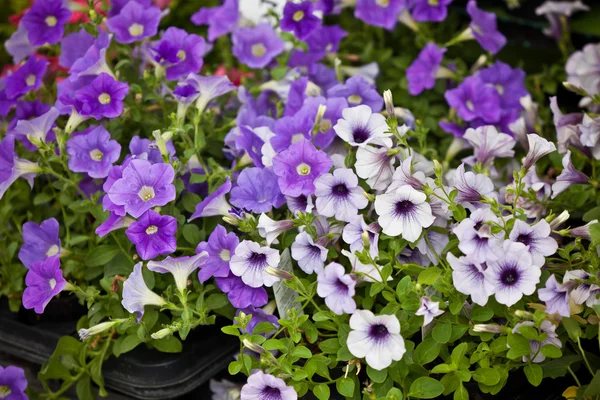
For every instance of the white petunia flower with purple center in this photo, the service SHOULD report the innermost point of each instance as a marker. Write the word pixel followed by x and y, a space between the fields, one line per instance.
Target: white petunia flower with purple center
pixel 538 148
pixel 339 195
pixel 488 144
pixel 512 274
pixel 250 262
pixel 356 232
pixel 472 188
pixel 475 236
pixel 405 175
pixel 403 212
pixel 261 386
pixel 311 256
pixel 376 165
pixel 376 338
pixel 537 239
pixel 468 277
pixel 337 288
pixel 428 310
pixel 359 126
pixel 180 268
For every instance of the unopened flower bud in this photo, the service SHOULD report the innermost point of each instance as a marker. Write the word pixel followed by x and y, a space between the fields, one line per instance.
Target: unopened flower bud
pixel 389 103
pixel 437 168
pixel 524 314
pixel 556 221
pixel 365 239
pixel 85 334
pixel 490 328
pixel 253 346
pixel 278 273
pixel 575 89
pixel 161 334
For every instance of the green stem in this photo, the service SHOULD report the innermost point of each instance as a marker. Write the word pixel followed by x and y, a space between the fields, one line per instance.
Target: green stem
pixel 587 363
pixel 574 376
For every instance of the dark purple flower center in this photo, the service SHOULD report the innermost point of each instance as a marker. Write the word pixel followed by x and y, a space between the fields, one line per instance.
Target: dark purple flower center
pixel 378 332
pixel 525 238
pixel 257 260
pixel 478 225
pixel 475 273
pixel 340 190
pixel 270 393
pixel 341 287
pixel 315 251
pixel 510 275
pixel 360 134
pixel 404 207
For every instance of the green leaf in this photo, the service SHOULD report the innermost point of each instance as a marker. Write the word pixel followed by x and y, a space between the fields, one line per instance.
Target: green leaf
pixel 557 368
pixel 394 394
pixel 595 233
pixel 127 344
pixel 487 376
pixel 461 393
pixel 376 375
pixel 216 301
pixel 330 346
pixel 191 233
pixel 84 388
pixel 593 388
pixel 427 351
pixel 592 214
pixel 425 388
pixel 231 330
pixel 534 374
pixel 345 387
pixel 442 369
pixel 101 255
pixel 529 332
pixel 41 198
pixel 234 367
pixel 551 351
pixel 321 392
pixel 429 276
pixel 482 314
pixel 322 316
pixel 458 352
pixel 571 325
pixel 441 332
pixel 519 346
pixel 170 344
pixel 302 352
pixel 263 327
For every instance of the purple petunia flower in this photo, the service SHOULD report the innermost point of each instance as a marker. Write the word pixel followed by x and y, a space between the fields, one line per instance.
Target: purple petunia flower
pixel 468 278
pixel 93 61
pixel 537 239
pixel 360 127
pixel 325 40
pixel 428 10
pixel 137 295
pixel 509 82
pixel 36 131
pixel 310 256
pixel 300 203
pixel 39 241
pixel 261 386
pixel 473 99
pixel 44 280
pixel 333 112
pixel 13 167
pixel 299 166
pixel 376 338
pixel 117 5
pixel 556 12
pixel 27 78
pixel 256 47
pixel 209 87
pixel 220 20
pixel 250 262
pixel 379 13
pixel 428 310
pixel 214 204
pixel 143 185
pixel 567 128
pixel 241 295
pixel 569 176
pixel 18 45
pixel 483 27
pixel 339 195
pixel 299 18
pixel 291 130
pixel 258 316
pixel 148 150
pixel 74 46
pixel 337 288
pixel 180 268
pixel 357 90
pixel 134 22
pixel 103 97
pixel 153 234
pixel 257 198
pixel 27 110
pixel 556 297
pixel 220 247
pixel 93 153
pixel 45 21
pixel 472 188
pixel 590 134
pixel 421 74
pixel 13 383
pixel 512 274
pixel 112 223
pixel 475 236
pixel 179 52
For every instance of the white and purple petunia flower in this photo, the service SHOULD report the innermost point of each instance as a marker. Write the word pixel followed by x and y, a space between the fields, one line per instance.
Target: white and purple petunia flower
pixel 337 288
pixel 356 233
pixel 44 280
pixel 376 165
pixel 134 22
pixel 556 296
pixel 403 212
pixel 45 21
pixel 538 148
pixel 475 235
pixel 310 256
pixel 39 241
pixel 93 152
pixel 261 386
pixel 153 234
pixel 376 338
pixel 569 176
pixel 472 188
pixel 488 144
pixel 250 262
pixel 428 310
pixel 256 46
pixel 582 291
pixel 270 229
pixel 366 272
pixel 36 131
pixel 468 278
pixel 339 195
pixel 207 88
pixel 537 239
pixel 137 295
pixel 180 268
pixel 220 246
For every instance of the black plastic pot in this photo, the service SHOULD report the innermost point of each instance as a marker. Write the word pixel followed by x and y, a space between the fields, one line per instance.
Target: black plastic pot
pixel 141 373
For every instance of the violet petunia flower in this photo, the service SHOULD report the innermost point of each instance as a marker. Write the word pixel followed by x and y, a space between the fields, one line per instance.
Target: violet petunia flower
pixel 256 47
pixel 144 185
pixel 310 256
pixel 475 236
pixel 93 61
pixel 421 74
pixel 179 52
pixel 221 20
pixel 484 28
pixel 180 268
pixel 208 87
pixel 25 79
pixel 379 13
pixel 45 21
pixel 583 69
pixel 39 241
pixel 241 295
pixel 510 83
pixel 358 90
pixel 257 316
pixel 13 383
pixel 36 131
pixel 488 144
pixel 569 176
pixel 538 148
pixel 537 239
pixel 298 167
pixel 134 22
pixel 270 229
pixel 549 330
pixel 153 234
pixel 117 5
pixel 429 11
pixel 18 45
pixel 291 130
pixel 325 40
pixel 13 167
pixel 103 97
pixel 112 223
pixel 474 98
pixel 567 128
pixel 137 295
pixel 468 278
pixel 74 46
pixel 512 274
pixel 556 296
pixel 93 153
pixel 300 203
pixel 261 386
pixel 428 310
pixel 214 204
pixel 360 127
pixel 44 280
pixel 27 110
pixel 220 246
pixel 299 18
pixel 337 288
pixel 148 150
pixel 257 198
pixel 250 262
pixel 339 194
pixel 376 338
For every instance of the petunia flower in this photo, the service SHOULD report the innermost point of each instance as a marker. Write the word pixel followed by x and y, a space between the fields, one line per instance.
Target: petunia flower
pixel 153 234
pixel 582 68
pixel 337 288
pixel 339 195
pixel 403 212
pixel 250 262
pixel 474 98
pixel 310 256
pixel 538 148
pixel 103 97
pixel 406 174
pixel 257 198
pixel 569 176
pixel 27 110
pixel 581 292
pixel 18 45
pixel 74 46
pixel 25 79
pixel 179 52
pixel 134 22
pixel 39 241
pixel 261 386
pixel 241 295
pixel 13 167
pixel 137 295
pixel 301 203
pixel 214 204
pixel 257 46
pixel 556 296
pixel 376 338
pixel 358 91
pixel 325 39
pixel 93 152
pixel 299 18
pixel 117 5
pixel 93 61
pixel 468 277
pixel 112 223
pixel 270 229
pixel 221 20
pixel 36 131
pixel 422 73
pixel 428 10
pixel 44 280
pixel 537 239
pixel 13 383
pixel 291 130
pixel 220 247
pixel 379 13
pixel 510 83
pixel 547 328
pixel 428 310
pixel 512 274
pixel 475 237
pixel 143 186
pixel 484 28
pixel 208 87
pixel 45 21
pixel 432 243
pixel 556 12
pixel 356 232
pixel 472 188
pixel 376 165
pixel 180 268
pixel 590 134
pixel 360 127
pixel 488 144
